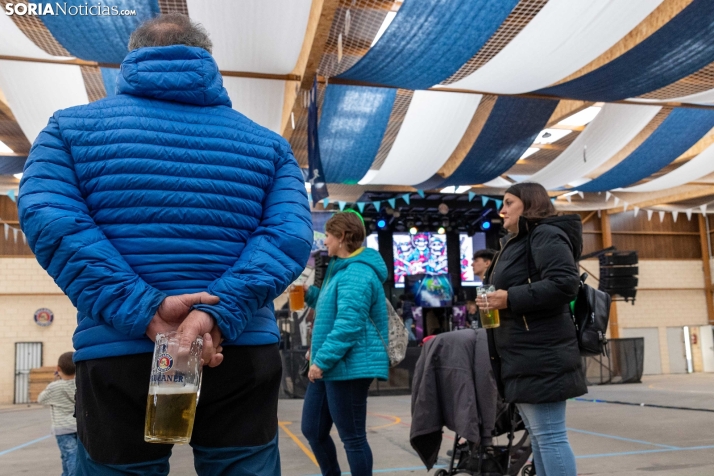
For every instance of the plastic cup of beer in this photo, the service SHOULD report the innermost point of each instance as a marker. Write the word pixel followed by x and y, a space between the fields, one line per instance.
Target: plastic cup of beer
pixel 489 317
pixel 173 389
pixel 297 297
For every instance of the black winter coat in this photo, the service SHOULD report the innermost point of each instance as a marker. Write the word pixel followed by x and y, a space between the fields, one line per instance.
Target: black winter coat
pixel 535 350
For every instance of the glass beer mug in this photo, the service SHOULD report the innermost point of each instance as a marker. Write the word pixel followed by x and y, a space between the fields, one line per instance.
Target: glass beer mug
pixel 489 318
pixel 173 389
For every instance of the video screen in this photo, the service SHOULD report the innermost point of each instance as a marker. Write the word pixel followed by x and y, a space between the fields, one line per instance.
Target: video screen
pixel 468 246
pixel 426 253
pixel 422 253
pixel 431 290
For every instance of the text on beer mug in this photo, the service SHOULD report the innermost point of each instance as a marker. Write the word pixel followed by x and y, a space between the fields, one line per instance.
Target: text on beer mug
pixel 173 389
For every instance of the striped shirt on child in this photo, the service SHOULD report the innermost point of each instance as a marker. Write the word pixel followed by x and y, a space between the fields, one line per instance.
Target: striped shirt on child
pixel 60 396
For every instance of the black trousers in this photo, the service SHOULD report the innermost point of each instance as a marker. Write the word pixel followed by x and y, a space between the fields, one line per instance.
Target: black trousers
pixel 238 405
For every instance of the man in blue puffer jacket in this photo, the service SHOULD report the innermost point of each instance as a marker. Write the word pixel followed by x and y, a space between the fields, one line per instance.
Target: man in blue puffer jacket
pixel 160 209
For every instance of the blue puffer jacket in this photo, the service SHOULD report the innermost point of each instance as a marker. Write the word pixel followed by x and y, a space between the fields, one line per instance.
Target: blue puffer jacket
pixel 164 190
pixel 345 343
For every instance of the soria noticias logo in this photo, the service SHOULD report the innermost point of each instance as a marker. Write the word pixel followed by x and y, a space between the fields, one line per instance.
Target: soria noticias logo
pixel 58 8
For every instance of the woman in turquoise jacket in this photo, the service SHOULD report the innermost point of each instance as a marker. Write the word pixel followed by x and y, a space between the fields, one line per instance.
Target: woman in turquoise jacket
pixel 348 346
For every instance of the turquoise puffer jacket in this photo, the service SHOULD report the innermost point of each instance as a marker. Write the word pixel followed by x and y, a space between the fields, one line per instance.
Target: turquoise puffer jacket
pixel 345 342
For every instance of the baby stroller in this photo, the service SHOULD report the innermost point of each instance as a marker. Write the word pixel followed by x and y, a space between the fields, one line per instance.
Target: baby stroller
pixel 504 460
pixel 454 387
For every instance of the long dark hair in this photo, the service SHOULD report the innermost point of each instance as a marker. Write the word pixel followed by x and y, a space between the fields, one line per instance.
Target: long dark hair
pixel 536 202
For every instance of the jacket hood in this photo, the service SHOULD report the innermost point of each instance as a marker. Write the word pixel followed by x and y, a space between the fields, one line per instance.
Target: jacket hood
pixel 367 256
pixel 571 225
pixel 179 73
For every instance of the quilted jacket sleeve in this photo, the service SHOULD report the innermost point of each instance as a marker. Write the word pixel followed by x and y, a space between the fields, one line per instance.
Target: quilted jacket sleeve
pixel 354 301
pixel 72 248
pixel 274 255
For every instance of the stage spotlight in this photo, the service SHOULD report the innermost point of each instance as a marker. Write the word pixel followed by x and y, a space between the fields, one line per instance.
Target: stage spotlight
pixel 441 230
pixel 485 225
pixel 413 230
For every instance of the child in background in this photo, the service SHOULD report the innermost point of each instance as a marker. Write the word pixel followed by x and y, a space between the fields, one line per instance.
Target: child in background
pixel 59 395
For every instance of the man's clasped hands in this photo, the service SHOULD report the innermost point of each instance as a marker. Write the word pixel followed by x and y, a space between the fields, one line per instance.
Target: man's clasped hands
pixel 176 314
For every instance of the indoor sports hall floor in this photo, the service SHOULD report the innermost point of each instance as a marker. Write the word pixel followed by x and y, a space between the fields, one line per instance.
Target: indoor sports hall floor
pixel 608 438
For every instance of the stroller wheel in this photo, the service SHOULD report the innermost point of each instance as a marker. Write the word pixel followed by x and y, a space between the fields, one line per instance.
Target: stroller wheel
pixel 528 470
pixel 441 472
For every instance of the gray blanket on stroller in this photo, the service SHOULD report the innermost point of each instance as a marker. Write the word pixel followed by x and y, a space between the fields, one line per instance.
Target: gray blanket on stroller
pixel 454 387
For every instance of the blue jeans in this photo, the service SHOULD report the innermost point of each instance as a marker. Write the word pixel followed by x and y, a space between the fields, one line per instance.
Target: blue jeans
pixel 68 451
pixel 408 324
pixel 549 438
pixel 345 404
pixel 261 460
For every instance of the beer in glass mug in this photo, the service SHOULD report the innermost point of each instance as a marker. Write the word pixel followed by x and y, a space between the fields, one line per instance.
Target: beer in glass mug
pixel 297 297
pixel 173 389
pixel 489 318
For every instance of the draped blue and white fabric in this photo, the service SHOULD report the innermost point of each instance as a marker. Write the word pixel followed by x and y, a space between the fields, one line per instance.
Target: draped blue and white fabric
pixel 563 37
pixel 102 38
pixel 429 40
pixel 432 128
pixel 353 123
pixel 677 133
pixel 598 51
pixel 613 128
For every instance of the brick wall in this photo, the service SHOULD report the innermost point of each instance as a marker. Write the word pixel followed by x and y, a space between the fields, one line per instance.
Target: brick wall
pixel 671 294
pixel 24 288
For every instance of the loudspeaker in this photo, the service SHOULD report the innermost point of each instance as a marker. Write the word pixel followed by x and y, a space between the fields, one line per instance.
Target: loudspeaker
pixel 618 274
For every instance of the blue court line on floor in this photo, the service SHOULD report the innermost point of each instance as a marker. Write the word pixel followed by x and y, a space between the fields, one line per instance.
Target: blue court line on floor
pixel 24 445
pixel 391 470
pixel 628 453
pixel 621 438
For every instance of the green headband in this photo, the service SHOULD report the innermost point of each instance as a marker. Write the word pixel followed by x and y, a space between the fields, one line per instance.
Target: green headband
pixel 349 210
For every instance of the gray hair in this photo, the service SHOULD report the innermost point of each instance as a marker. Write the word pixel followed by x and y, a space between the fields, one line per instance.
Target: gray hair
pixel 170 29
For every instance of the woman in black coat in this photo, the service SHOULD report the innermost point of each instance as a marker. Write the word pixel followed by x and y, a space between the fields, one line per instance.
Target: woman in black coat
pixel 535 350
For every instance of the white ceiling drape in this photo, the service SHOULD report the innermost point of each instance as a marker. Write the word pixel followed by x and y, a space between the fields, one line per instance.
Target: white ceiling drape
pixel 433 126
pixel 562 38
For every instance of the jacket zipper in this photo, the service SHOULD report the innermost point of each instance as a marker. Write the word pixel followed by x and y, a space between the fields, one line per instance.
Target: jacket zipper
pixel 499 256
pixel 525 322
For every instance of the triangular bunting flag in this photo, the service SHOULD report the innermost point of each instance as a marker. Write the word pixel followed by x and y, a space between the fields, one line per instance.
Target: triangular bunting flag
pixel 703 208
pixel 689 214
pixel 617 201
pixel 471 196
pixel 24 238
pixel 607 196
pixel 582 195
pixel 377 204
pixel 637 210
pixel 392 202
pixel 649 214
pixel 567 197
pixel 407 197
pixel 421 193
pixel 552 200
pixel 11 194
pixel 674 216
pixel 624 208
pixel 361 205
pixel 325 202
pixel 7 230
pixel 661 216
pixel 499 204
pixel 14 234
pixel 599 213
pixel 484 201
pixel 342 205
